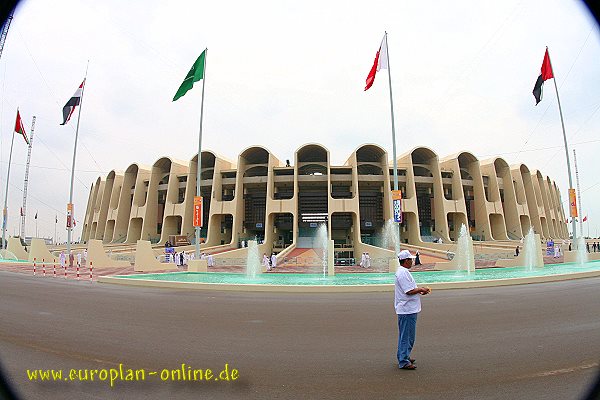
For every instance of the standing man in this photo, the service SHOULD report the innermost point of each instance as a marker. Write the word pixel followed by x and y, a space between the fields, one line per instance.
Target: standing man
pixel 273 260
pixel 408 306
pixel 266 261
pixel 63 259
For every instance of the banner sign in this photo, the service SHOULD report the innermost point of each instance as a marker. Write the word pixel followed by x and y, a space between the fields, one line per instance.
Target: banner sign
pixel 198 211
pixel 573 202
pixel 69 215
pixel 397 205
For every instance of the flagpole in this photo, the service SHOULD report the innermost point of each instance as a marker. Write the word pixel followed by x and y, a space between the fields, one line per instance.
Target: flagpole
pixel 69 225
pixel 26 182
pixel 55 222
pixel 562 121
pixel 392 114
pixel 578 193
pixel 393 124
pixel 199 165
pixel 5 210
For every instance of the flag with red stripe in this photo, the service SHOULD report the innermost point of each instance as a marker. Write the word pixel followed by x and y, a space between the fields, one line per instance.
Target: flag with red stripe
pixel 545 74
pixel 73 102
pixel 381 62
pixel 20 128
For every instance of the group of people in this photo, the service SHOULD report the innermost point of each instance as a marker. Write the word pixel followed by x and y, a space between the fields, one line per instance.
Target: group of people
pixel 595 247
pixel 269 262
pixel 81 257
pixel 180 259
pixel 365 260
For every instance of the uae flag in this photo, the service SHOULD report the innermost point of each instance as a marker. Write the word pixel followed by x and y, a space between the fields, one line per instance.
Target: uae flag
pixel 194 75
pixel 381 62
pixel 69 108
pixel 544 75
pixel 19 128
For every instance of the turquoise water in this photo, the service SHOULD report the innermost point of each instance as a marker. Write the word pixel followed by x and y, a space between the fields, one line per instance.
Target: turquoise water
pixel 11 261
pixel 366 278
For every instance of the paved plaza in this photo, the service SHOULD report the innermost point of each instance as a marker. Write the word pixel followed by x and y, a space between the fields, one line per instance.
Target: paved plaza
pixel 535 341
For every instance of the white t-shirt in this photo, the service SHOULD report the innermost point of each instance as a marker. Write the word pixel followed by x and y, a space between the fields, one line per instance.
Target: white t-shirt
pixel 404 303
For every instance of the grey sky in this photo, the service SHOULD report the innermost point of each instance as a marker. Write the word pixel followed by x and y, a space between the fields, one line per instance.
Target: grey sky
pixel 281 74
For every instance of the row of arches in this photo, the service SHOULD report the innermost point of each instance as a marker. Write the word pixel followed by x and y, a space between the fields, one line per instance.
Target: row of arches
pixel 261 196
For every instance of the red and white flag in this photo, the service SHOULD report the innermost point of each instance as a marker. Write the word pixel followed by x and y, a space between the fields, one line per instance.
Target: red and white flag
pixel 584 218
pixel 73 102
pixel 20 128
pixel 381 62
pixel 545 74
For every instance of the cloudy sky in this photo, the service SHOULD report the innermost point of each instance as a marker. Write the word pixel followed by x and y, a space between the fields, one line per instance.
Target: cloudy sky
pixel 283 73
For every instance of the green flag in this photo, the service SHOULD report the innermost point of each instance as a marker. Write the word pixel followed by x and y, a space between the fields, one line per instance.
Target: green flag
pixel 196 73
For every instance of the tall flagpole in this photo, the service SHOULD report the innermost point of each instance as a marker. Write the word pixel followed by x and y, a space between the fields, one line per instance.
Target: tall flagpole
pixel 387 53
pixel 199 166
pixel 392 114
pixel 5 210
pixel 565 139
pixel 26 183
pixel 70 205
pixel 579 205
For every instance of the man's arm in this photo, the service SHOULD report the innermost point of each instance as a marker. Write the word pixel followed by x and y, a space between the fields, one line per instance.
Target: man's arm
pixel 419 290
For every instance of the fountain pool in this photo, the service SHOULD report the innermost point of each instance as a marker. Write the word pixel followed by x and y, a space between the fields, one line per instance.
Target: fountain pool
pixel 359 281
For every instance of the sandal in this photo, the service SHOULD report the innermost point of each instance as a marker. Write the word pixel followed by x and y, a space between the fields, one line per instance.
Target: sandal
pixel 409 366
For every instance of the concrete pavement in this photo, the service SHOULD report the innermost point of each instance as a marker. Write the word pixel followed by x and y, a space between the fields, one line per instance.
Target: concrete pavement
pixel 532 341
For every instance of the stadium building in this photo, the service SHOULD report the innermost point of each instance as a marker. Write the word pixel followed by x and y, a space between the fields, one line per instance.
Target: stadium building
pixel 282 203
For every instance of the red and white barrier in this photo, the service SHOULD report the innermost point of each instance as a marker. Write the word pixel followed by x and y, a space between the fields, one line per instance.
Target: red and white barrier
pixel 44 267
pixel 77 271
pixel 65 272
pixel 54 269
pixel 34 266
pixel 91 272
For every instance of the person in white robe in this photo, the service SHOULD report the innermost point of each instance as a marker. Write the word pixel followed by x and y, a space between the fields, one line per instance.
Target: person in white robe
pixel 265 262
pixel 273 260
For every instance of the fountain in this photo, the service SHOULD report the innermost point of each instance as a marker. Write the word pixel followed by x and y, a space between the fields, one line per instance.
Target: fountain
pixel 464 258
pixel 582 256
pixel 391 236
pixel 528 250
pixel 253 265
pixel 321 243
pixel 254 280
pixel 532 251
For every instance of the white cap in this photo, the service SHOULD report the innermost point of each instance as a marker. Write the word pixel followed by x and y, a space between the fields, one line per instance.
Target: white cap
pixel 404 254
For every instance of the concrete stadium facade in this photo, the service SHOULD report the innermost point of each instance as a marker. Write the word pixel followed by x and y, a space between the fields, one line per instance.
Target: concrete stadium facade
pixel 282 203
